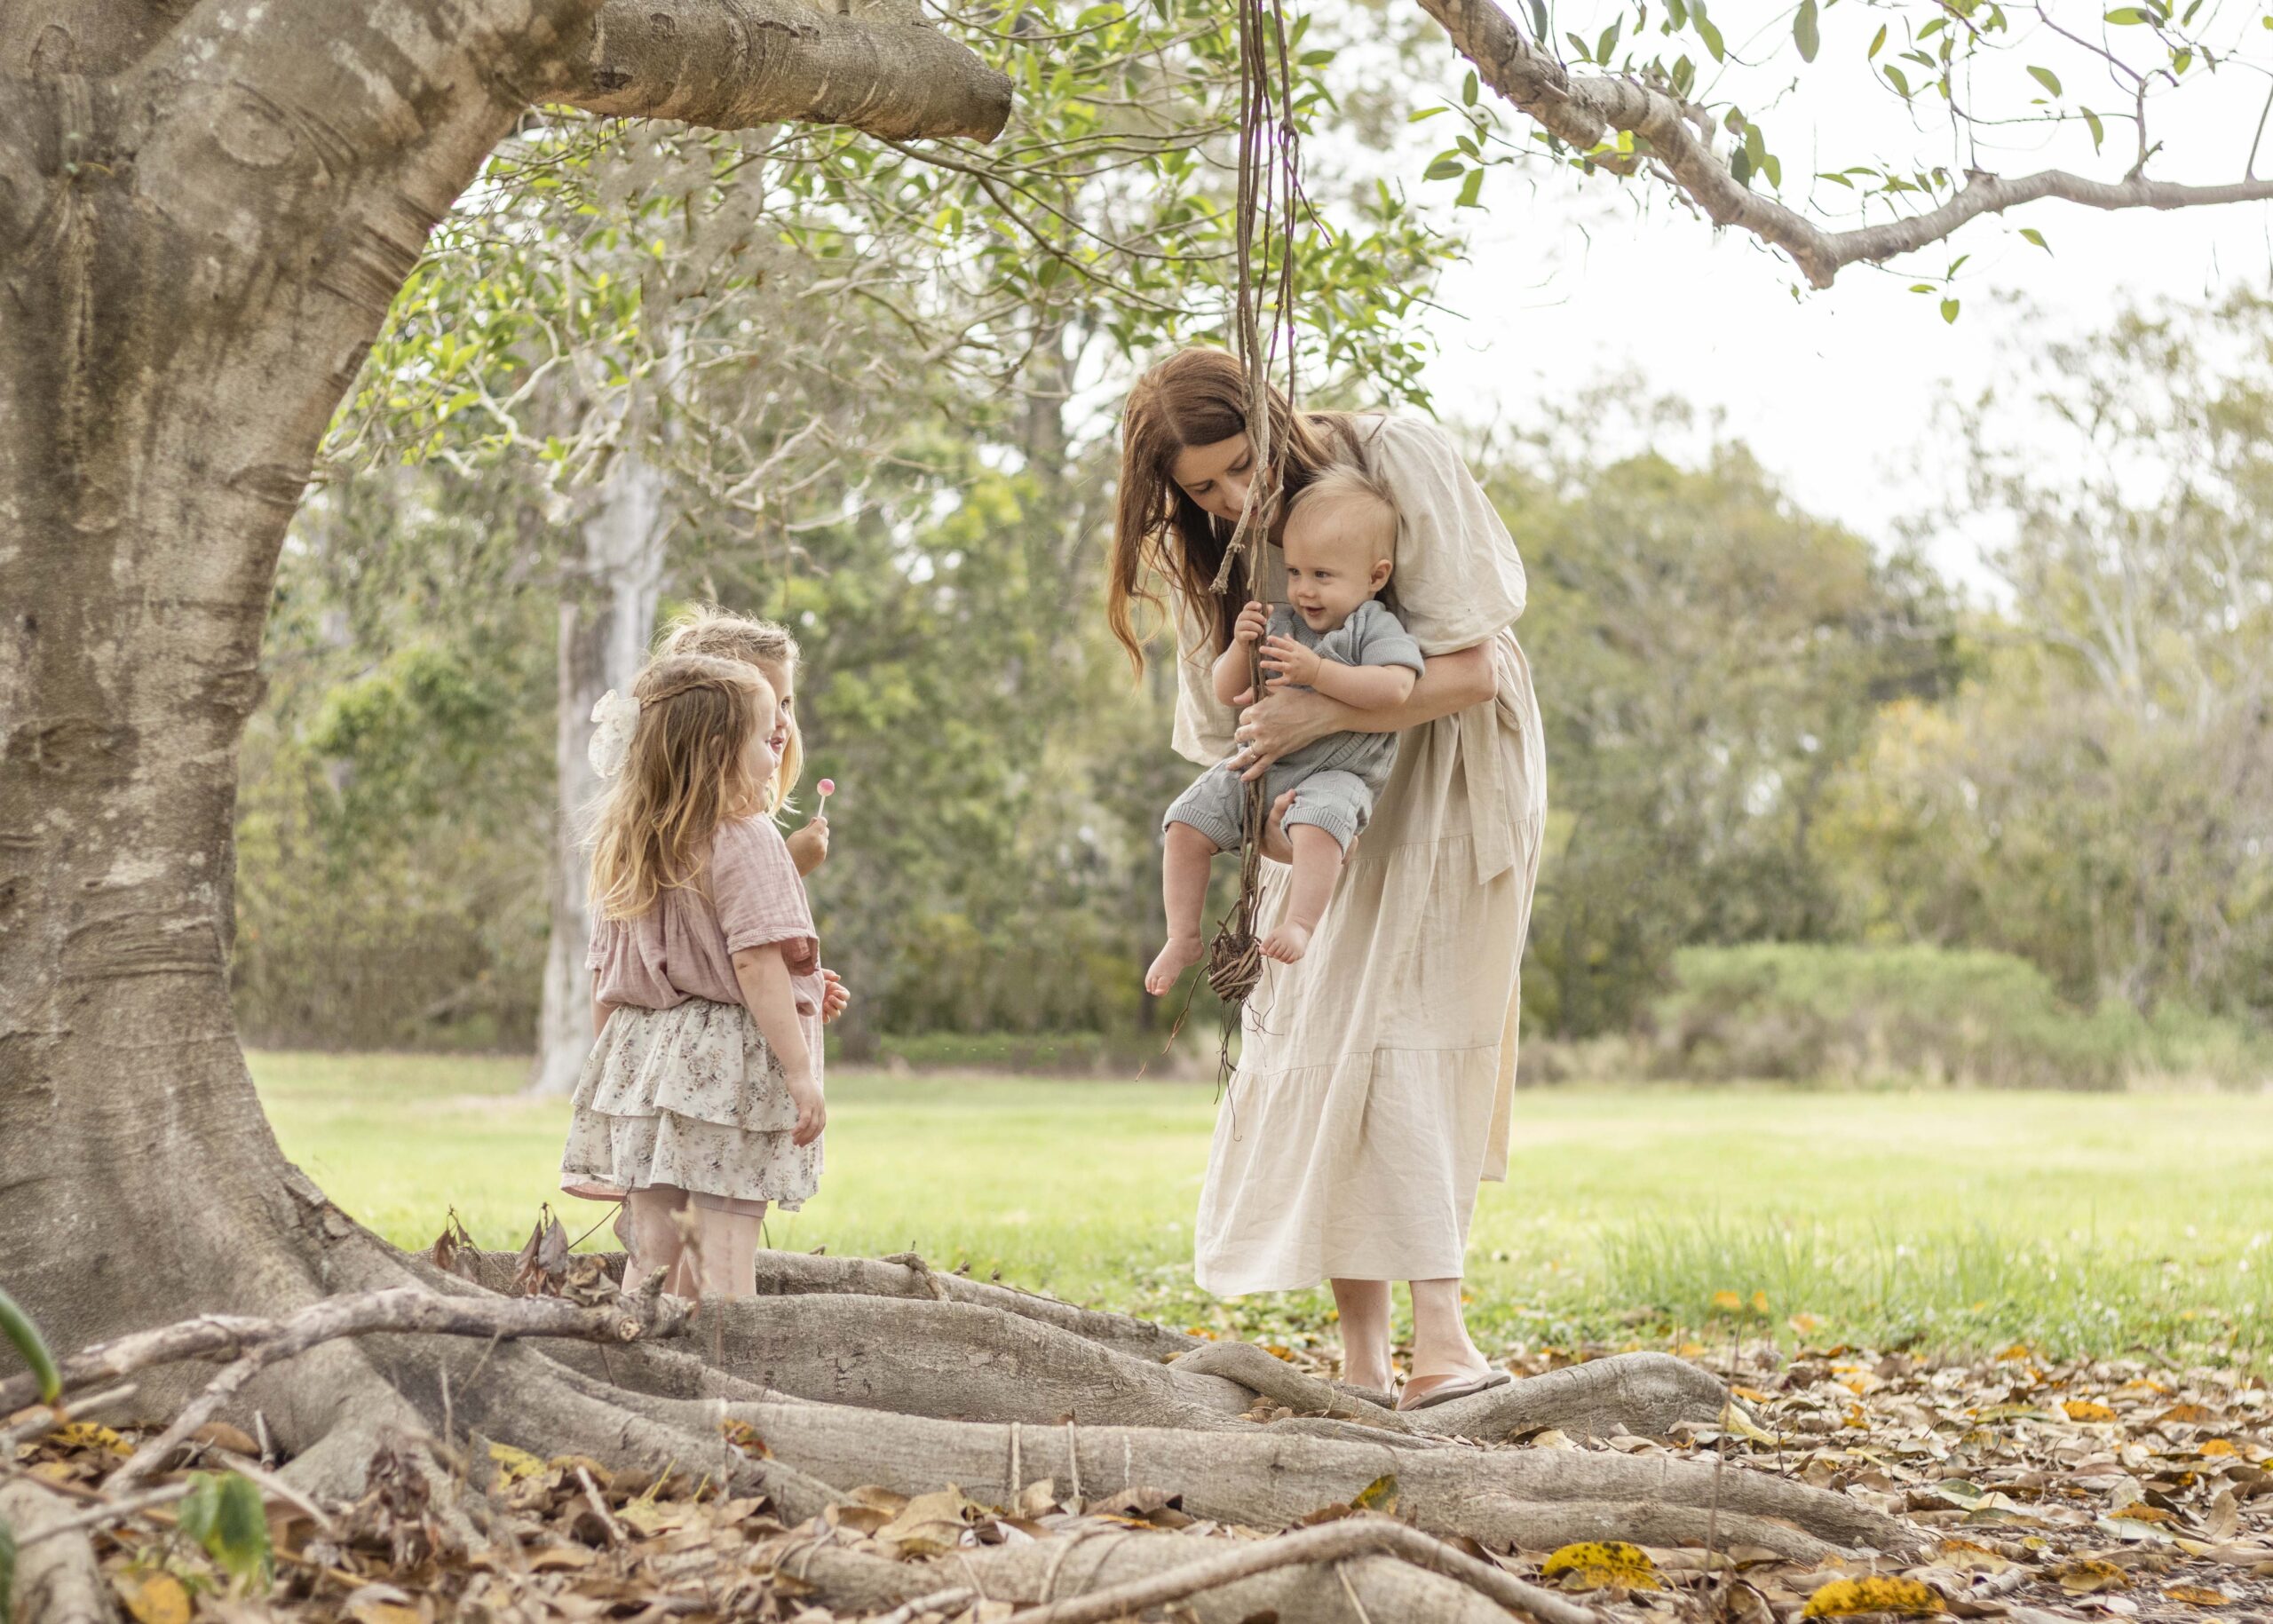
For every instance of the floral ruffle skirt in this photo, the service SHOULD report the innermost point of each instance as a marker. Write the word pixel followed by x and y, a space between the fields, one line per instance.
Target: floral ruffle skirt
pixel 690 1096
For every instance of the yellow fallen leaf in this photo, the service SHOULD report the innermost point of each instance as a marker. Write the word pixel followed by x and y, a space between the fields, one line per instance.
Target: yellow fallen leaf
pixel 1691 1350
pixel 1844 1598
pixel 1759 1302
pixel 1804 1324
pixel 2217 1446
pixel 2084 1409
pixel 2086 1575
pixel 154 1598
pixel 515 1464
pixel 2189 1414
pixel 1750 1395
pixel 89 1435
pixel 2197 1595
pixel 1591 1564
pixel 2018 1350
pixel 1967 1557
pixel 1379 1496
pixel 1727 1302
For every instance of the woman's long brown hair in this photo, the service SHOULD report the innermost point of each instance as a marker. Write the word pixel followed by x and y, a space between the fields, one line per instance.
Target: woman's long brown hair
pixel 1196 397
pixel 686 775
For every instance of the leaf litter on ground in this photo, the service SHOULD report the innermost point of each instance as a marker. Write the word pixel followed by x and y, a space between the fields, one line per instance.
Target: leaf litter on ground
pixel 2120 1488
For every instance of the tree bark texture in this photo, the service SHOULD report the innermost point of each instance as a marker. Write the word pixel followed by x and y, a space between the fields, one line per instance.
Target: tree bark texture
pixel 607 617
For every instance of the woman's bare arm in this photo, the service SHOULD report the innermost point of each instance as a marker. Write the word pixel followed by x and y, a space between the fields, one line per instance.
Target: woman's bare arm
pixel 1280 724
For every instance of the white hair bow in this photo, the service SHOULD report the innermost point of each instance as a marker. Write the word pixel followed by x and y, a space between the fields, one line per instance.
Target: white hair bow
pixel 613 721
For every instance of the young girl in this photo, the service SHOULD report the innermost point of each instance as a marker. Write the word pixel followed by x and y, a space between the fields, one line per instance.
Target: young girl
pixel 706 629
pixel 703 1090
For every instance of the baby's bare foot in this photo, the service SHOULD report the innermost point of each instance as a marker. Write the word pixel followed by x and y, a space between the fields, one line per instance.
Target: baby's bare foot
pixel 1287 943
pixel 1181 954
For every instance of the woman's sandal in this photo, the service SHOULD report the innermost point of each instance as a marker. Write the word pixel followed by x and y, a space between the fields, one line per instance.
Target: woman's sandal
pixel 1445 1388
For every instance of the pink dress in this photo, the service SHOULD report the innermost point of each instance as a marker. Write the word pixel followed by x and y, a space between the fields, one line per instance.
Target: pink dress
pixel 681 1089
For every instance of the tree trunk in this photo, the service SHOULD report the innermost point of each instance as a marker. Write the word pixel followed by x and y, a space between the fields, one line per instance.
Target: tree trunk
pixel 202 225
pixel 605 620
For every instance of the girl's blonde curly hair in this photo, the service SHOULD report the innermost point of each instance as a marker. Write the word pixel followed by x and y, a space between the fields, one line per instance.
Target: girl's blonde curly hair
pixel 706 629
pixel 687 772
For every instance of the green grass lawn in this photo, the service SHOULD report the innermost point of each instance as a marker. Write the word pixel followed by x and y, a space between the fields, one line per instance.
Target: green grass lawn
pixel 2075 1222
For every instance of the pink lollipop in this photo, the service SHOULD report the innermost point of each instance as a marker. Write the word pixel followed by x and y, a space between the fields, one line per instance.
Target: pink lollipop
pixel 827 787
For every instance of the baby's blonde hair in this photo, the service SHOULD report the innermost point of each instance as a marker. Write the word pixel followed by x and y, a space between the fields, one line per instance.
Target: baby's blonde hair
pixel 1364 502
pixel 687 772
pixel 706 629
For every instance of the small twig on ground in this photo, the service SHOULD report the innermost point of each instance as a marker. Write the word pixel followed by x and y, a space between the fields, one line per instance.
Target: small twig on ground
pixel 599 1506
pixel 948 1602
pixel 1330 1542
pixel 103 1515
pixel 48 1418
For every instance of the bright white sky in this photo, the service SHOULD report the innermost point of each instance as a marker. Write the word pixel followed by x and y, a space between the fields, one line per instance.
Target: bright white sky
pixel 1839 391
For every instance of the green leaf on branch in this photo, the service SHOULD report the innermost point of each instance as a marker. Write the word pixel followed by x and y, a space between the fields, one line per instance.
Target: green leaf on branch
pixel 1446 168
pixel 2046 77
pixel 2123 16
pixel 2098 129
pixel 1949 310
pixel 1470 190
pixel 1877 43
pixel 1805 33
pixel 32 1348
pixel 1711 35
pixel 2036 237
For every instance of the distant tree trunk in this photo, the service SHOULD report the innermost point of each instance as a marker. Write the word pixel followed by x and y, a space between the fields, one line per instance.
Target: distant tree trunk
pixel 605 620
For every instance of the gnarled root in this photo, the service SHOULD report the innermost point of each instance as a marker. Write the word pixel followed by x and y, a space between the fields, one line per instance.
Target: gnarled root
pixel 1647 1394
pixel 1349 1592
pixel 956 1360
pixel 1532 1499
pixel 57 1579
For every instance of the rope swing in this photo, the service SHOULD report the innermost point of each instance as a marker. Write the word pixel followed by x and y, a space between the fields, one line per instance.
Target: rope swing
pixel 1270 196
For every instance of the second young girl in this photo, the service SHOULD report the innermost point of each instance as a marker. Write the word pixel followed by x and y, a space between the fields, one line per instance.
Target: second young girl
pixel 700 1103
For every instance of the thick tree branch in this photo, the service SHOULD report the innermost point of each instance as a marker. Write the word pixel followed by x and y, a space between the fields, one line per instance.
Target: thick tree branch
pixel 877 66
pixel 1582 109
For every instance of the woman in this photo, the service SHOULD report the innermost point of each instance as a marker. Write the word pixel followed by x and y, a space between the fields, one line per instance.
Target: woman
pixel 1376 1072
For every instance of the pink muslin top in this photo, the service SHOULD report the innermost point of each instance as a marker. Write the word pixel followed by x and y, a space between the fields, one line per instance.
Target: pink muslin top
pixel 683 947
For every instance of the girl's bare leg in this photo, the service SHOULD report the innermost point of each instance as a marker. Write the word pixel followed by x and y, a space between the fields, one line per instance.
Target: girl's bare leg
pixel 728 1242
pixel 1441 1347
pixel 1317 864
pixel 649 1226
pixel 1364 1309
pixel 1185 854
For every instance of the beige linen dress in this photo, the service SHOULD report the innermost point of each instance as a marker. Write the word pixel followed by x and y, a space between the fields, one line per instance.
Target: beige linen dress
pixel 1376 1074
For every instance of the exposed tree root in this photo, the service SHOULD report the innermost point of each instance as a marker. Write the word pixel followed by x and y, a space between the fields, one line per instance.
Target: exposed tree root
pixel 1534 1498
pixel 959 1361
pixel 1356 1591
pixel 1333 1543
pixel 1648 1394
pixel 797 1274
pixel 57 1580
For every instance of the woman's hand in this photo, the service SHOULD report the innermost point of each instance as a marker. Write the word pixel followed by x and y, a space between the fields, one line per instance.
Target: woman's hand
pixel 812 1110
pixel 1278 725
pixel 809 846
pixel 835 997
